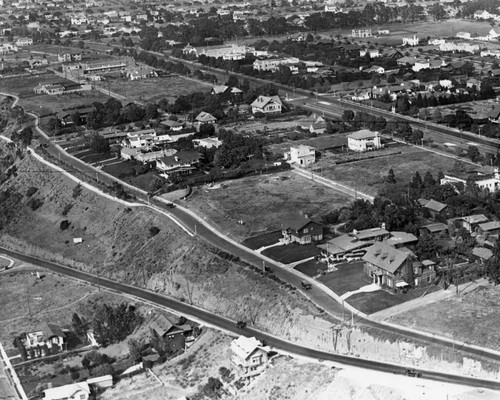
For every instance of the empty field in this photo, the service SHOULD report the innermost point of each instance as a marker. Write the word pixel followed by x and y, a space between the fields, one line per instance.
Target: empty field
pixel 260 203
pixel 369 176
pixel 472 317
pixel 154 89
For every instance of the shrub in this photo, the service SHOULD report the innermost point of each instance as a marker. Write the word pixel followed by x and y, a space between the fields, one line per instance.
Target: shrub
pixel 67 209
pixel 77 190
pixel 64 225
pixel 34 204
pixel 31 191
pixel 75 375
pixel 153 231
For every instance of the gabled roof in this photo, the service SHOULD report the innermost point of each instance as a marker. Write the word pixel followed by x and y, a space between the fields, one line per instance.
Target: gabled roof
pixel 244 347
pixel 482 252
pixel 262 101
pixel 475 219
pixel 66 391
pixel 295 222
pixel 490 226
pixel 435 205
pixel 385 257
pixel 51 330
pixel 398 238
pixel 495 112
pixel 437 227
pixel 205 117
pixel 161 325
pixel 363 134
pixel 219 89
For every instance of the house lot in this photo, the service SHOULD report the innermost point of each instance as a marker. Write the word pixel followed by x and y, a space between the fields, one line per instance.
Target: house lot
pixel 255 205
pixel 292 252
pixel 472 317
pixel 311 267
pixel 25 84
pixel 369 175
pixel 154 89
pixel 263 240
pixel 126 171
pixel 348 278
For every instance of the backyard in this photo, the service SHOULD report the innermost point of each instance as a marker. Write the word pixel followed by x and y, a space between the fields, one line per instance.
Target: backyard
pixel 254 205
pixel 311 267
pixel 154 89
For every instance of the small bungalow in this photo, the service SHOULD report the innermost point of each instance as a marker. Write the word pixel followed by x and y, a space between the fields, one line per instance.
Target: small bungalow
pixel 482 253
pixel 296 228
pixel 491 228
pixel 438 229
pixel 249 356
pixel 424 272
pixel 434 208
pixel 204 118
pixel 74 391
pixel 267 105
pixel 174 335
pixel 471 222
pixel 388 267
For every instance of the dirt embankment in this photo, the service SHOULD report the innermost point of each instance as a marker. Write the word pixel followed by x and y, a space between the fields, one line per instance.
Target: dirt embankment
pixel 117 243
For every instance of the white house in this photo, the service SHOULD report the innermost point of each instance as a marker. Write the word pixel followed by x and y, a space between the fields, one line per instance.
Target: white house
pixel 50 338
pixel 249 356
pixel 462 47
pixel 376 69
pixel 208 143
pixel 464 35
pixel 24 41
pixel 411 41
pixel 361 33
pixel 74 391
pixel 446 83
pixel 7 48
pixel 363 140
pixel 373 53
pixel 301 155
pixel 267 105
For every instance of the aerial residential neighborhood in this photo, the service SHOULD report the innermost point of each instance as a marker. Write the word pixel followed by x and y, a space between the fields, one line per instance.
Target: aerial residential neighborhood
pixel 271 199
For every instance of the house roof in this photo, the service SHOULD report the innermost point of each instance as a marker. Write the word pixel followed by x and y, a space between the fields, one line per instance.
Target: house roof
pixel 66 391
pixel 490 226
pixel 294 221
pixel 475 219
pixel 262 101
pixel 363 134
pixel 495 112
pixel 50 330
pixel 398 238
pixel 435 205
pixel 205 117
pixel 385 257
pixel 482 252
pixel 437 227
pixel 218 89
pixel 371 233
pixel 161 325
pixel 244 347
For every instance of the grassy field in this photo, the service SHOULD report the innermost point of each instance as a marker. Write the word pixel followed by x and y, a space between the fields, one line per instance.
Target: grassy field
pixel 472 317
pixel 348 278
pixel 46 104
pixel 372 302
pixel 154 89
pixel 25 84
pixel 266 239
pixel 292 252
pixel 369 175
pixel 262 201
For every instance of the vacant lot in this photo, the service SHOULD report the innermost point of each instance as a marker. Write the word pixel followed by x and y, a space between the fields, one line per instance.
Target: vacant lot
pixel 369 175
pixel 154 89
pixel 372 302
pixel 262 201
pixel 472 317
pixel 292 252
pixel 347 278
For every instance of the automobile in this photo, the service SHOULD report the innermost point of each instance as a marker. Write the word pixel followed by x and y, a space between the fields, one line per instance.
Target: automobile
pixel 305 285
pixel 241 324
pixel 170 205
pixel 414 373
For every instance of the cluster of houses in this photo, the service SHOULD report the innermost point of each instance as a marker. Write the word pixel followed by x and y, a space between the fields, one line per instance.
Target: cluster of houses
pixel 61 88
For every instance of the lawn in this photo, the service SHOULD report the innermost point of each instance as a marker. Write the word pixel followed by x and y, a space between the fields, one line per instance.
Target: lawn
pixel 311 267
pixel 266 239
pixel 154 89
pixel 262 201
pixel 369 176
pixel 372 302
pixel 126 172
pixel 291 252
pixel 348 278
pixel 473 317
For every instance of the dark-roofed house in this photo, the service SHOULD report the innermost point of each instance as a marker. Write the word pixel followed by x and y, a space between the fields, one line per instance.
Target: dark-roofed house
pixel 183 162
pixel 471 222
pixel 205 118
pixel 174 335
pixel 296 228
pixel 424 272
pixel 50 339
pixel 388 267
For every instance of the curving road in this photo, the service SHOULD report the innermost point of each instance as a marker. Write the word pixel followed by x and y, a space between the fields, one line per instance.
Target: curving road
pixel 230 325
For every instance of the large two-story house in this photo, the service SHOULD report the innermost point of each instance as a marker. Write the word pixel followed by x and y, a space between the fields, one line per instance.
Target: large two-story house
pixel 49 339
pixel 249 356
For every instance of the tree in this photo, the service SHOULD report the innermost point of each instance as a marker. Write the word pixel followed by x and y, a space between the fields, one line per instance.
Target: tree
pixel 99 144
pixel 474 154
pixel 54 125
pixel 24 137
pixel 151 111
pixel 79 325
pixel 391 178
pixel 134 348
pixel 426 247
pixel 347 116
pixel 493 264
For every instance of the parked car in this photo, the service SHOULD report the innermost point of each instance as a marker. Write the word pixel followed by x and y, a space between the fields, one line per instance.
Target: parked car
pixel 414 373
pixel 241 324
pixel 305 285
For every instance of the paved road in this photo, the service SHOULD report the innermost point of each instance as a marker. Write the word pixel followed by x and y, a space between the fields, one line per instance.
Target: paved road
pixel 230 325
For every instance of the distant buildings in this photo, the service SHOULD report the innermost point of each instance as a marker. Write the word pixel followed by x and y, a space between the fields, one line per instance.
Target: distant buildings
pixel 486 182
pixel 411 41
pixel 61 88
pixel 232 52
pixel 364 140
pixel 24 41
pixel 7 48
pixel 361 33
